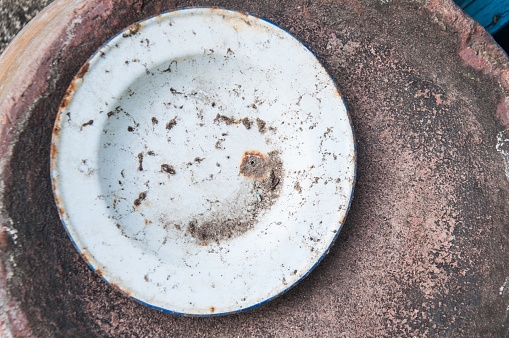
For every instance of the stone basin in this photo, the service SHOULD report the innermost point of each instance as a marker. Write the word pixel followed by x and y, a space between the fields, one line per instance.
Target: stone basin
pixel 424 250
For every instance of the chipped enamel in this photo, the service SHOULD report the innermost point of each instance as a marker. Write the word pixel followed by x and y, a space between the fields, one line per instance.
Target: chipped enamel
pixel 151 153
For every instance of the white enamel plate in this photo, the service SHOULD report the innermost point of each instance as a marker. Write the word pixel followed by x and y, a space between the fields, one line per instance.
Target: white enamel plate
pixel 203 161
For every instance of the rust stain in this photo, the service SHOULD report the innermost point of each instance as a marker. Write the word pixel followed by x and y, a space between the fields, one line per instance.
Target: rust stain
pixel 83 70
pixel 342 220
pixel 99 272
pixel 212 309
pixel 133 29
pixel 86 257
pixel 253 164
pixel 89 123
pixel 118 288
pixel 68 93
pixel 336 93
pixel 167 169
pixel 66 99
pixel 243 14
pixel 140 161
pixel 58 200
pixel 237 22
pixel 204 243
pixel 141 197
pixel 54 151
pixel 56 130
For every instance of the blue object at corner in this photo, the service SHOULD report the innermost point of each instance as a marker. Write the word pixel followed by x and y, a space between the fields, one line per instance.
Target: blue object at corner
pixel 492 14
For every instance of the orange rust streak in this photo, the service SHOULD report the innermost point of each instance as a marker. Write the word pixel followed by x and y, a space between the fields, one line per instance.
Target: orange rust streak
pixel 85 256
pixel 58 200
pixel 83 70
pixel 64 103
pixel 252 153
pixel 56 130
pixel 53 151
pixel 342 220
pixel 67 96
pixel 212 309
pixel 118 288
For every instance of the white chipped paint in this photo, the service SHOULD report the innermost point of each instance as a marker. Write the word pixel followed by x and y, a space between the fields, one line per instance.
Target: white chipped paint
pixel 192 91
pixel 503 148
pixel 504 286
pixel 504 292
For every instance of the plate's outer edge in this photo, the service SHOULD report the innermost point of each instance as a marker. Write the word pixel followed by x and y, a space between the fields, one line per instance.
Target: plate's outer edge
pixel 76 83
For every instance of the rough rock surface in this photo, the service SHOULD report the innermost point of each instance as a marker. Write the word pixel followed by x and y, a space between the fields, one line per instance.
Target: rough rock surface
pixel 14 15
pixel 425 248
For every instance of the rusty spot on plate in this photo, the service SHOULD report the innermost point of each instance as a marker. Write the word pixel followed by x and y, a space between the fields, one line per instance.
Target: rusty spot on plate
pixel 89 123
pixel 53 151
pixel 58 200
pixel 141 197
pixel 212 309
pixel 261 125
pixel 83 70
pixel 253 164
pixel 167 169
pixel 118 288
pixel 66 99
pixel 140 162
pixel 86 256
pixel 132 30
pixel 171 124
pixel 99 272
pixel 61 211
pixel 57 119
pixel 56 131
pixel 247 123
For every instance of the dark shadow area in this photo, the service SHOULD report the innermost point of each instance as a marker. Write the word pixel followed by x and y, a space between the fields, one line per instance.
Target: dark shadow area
pixel 502 38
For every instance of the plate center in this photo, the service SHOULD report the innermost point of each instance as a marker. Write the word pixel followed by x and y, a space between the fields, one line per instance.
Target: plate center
pixel 188 163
